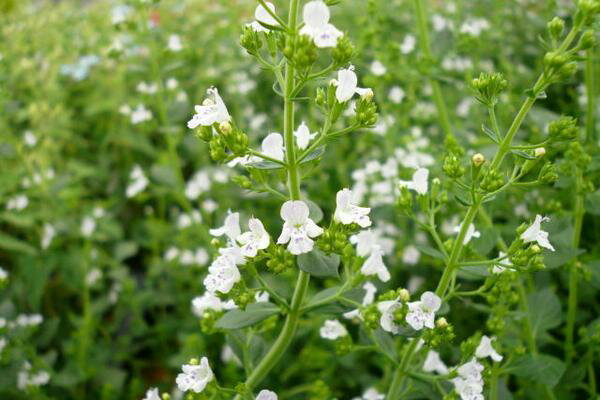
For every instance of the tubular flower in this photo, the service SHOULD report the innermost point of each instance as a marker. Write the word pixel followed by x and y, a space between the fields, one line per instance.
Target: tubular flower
pixel 195 377
pixel 212 110
pixel 255 239
pixel 298 228
pixel 316 24
pixel 348 213
pixel 535 233
pixel 422 313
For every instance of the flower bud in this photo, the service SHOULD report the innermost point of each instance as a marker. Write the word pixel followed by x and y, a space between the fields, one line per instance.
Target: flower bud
pixel 587 40
pixel 535 249
pixel 488 87
pixel 478 160
pixel 343 52
pixel 368 95
pixel 441 323
pixel 564 128
pixel 194 361
pixel 225 127
pixel 404 295
pixel 452 167
pixel 556 28
pixel 539 152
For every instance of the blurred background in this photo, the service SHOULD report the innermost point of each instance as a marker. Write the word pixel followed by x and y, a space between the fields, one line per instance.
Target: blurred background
pixel 106 197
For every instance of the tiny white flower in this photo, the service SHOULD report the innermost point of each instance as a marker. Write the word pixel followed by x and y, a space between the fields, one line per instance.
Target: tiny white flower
pixel 369 298
pixel 171 83
pixel 171 254
pixel 419 182
pixel 377 68
pixel 174 43
pixel 396 95
pixel 140 114
pixel 261 297
pixel 498 269
pixel 485 349
pixel 468 390
pixel 348 213
pixel 333 330
pixel 387 309
pixel 88 226
pixel 372 394
pixel 29 138
pixel 422 313
pixel 18 203
pixel 471 233
pixel 212 110
pixel 137 182
pixel 3 343
pixel 257 238
pixel 316 24
pixel 408 44
pixel 93 276
pixel 433 363
pixel 195 377
pixel 298 228
pixel 208 301
pixel 303 136
pixel 272 146
pixel 266 395
pixel 471 371
pixel 231 227
pixel 198 184
pixel 374 265
pixel 535 233
pixel 152 394
pixel 347 85
pixel 222 275
pixel 411 255
pixel 262 15
pixel 3 274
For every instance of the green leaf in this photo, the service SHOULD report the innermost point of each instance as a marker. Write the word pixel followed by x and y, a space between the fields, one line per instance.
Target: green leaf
pixel 489 133
pixel 592 203
pixel 264 165
pixel 462 201
pixel 124 250
pixel 488 240
pixel 254 313
pixel 384 341
pixel 314 154
pixel 323 294
pixel 164 175
pixel 544 311
pixel 540 368
pixel 314 211
pixel 319 264
pixel 12 244
pixel 523 154
pixel 430 251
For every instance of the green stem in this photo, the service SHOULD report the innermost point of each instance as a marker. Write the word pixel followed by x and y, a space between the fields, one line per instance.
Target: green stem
pixel 425 45
pixel 291 322
pixel 590 123
pixel 396 386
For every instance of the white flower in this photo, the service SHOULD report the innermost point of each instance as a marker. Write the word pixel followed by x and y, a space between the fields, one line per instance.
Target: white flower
pixel 298 228
pixel 372 394
pixel 422 313
pixel 485 349
pixel 303 136
pixel 471 371
pixel 25 378
pixel 468 390
pixel 272 146
pixel 198 184
pixel 377 68
pixel 195 377
pixel 396 95
pixel 18 203
pixel 374 265
pixel 411 255
pixel 29 138
pixel 171 83
pixel 474 26
pixel 266 395
pixel 471 233
pixel 257 238
pixel 88 226
pixel 152 394
pixel 138 182
pixel 316 24
pixel 3 343
pixel 419 181
pixel 140 114
pixel 535 233
pixel 212 110
pixel 433 363
pixel 387 309
pixel 147 88
pixel 498 269
pixel 222 274
pixel 208 301
pixel 231 227
pixel 348 213
pixel 369 298
pixel 3 274
pixel 408 44
pixel 174 43
pixel 333 330
pixel 261 297
pixel 347 85
pixel 262 15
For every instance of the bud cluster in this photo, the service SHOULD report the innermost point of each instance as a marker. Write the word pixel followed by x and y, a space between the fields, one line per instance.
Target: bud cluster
pixel 488 87
pixel 492 180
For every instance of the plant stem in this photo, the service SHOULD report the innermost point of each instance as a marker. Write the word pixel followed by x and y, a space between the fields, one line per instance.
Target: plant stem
pixel 291 322
pixel 590 123
pixel 422 18
pixel 396 385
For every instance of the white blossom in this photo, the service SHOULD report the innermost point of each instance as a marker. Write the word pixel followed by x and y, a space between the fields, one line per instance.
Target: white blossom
pixel 17 203
pixel 29 138
pixel 347 85
pixel 137 182
pixel 3 274
pixel 367 245
pixel 372 394
pixel 147 88
pixel 195 377
pixel 266 395
pixel 498 269
pixel 369 298
pixel 348 213
pixel 257 238
pixel 212 110
pixel 470 234
pixel 396 95
pixel 422 313
pixel 152 394
pixel 174 43
pixel 433 363
pixel 303 136
pixel 25 378
pixel 298 228
pixel 333 329
pixel 316 24
pixel 485 349
pixel 198 184
pixel 88 226
pixel 419 182
pixel 411 255
pixel 140 114
pixel 262 15
pixel 535 233
pixel 231 227
pixel 208 301
pixel 272 146
pixel 408 44
pixel 222 275
pixel 377 68
pixel 387 310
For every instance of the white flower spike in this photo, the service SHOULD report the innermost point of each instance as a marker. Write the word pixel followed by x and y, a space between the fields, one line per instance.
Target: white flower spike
pixel 535 233
pixel 316 25
pixel 195 377
pixel 212 110
pixel 298 228
pixel 422 313
pixel 434 363
pixel 348 213
pixel 419 182
pixel 257 238
pixel 485 349
pixel 347 85
pixel 333 330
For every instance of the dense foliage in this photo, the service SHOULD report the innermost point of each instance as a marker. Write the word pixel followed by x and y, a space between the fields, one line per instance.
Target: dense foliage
pixel 463 262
